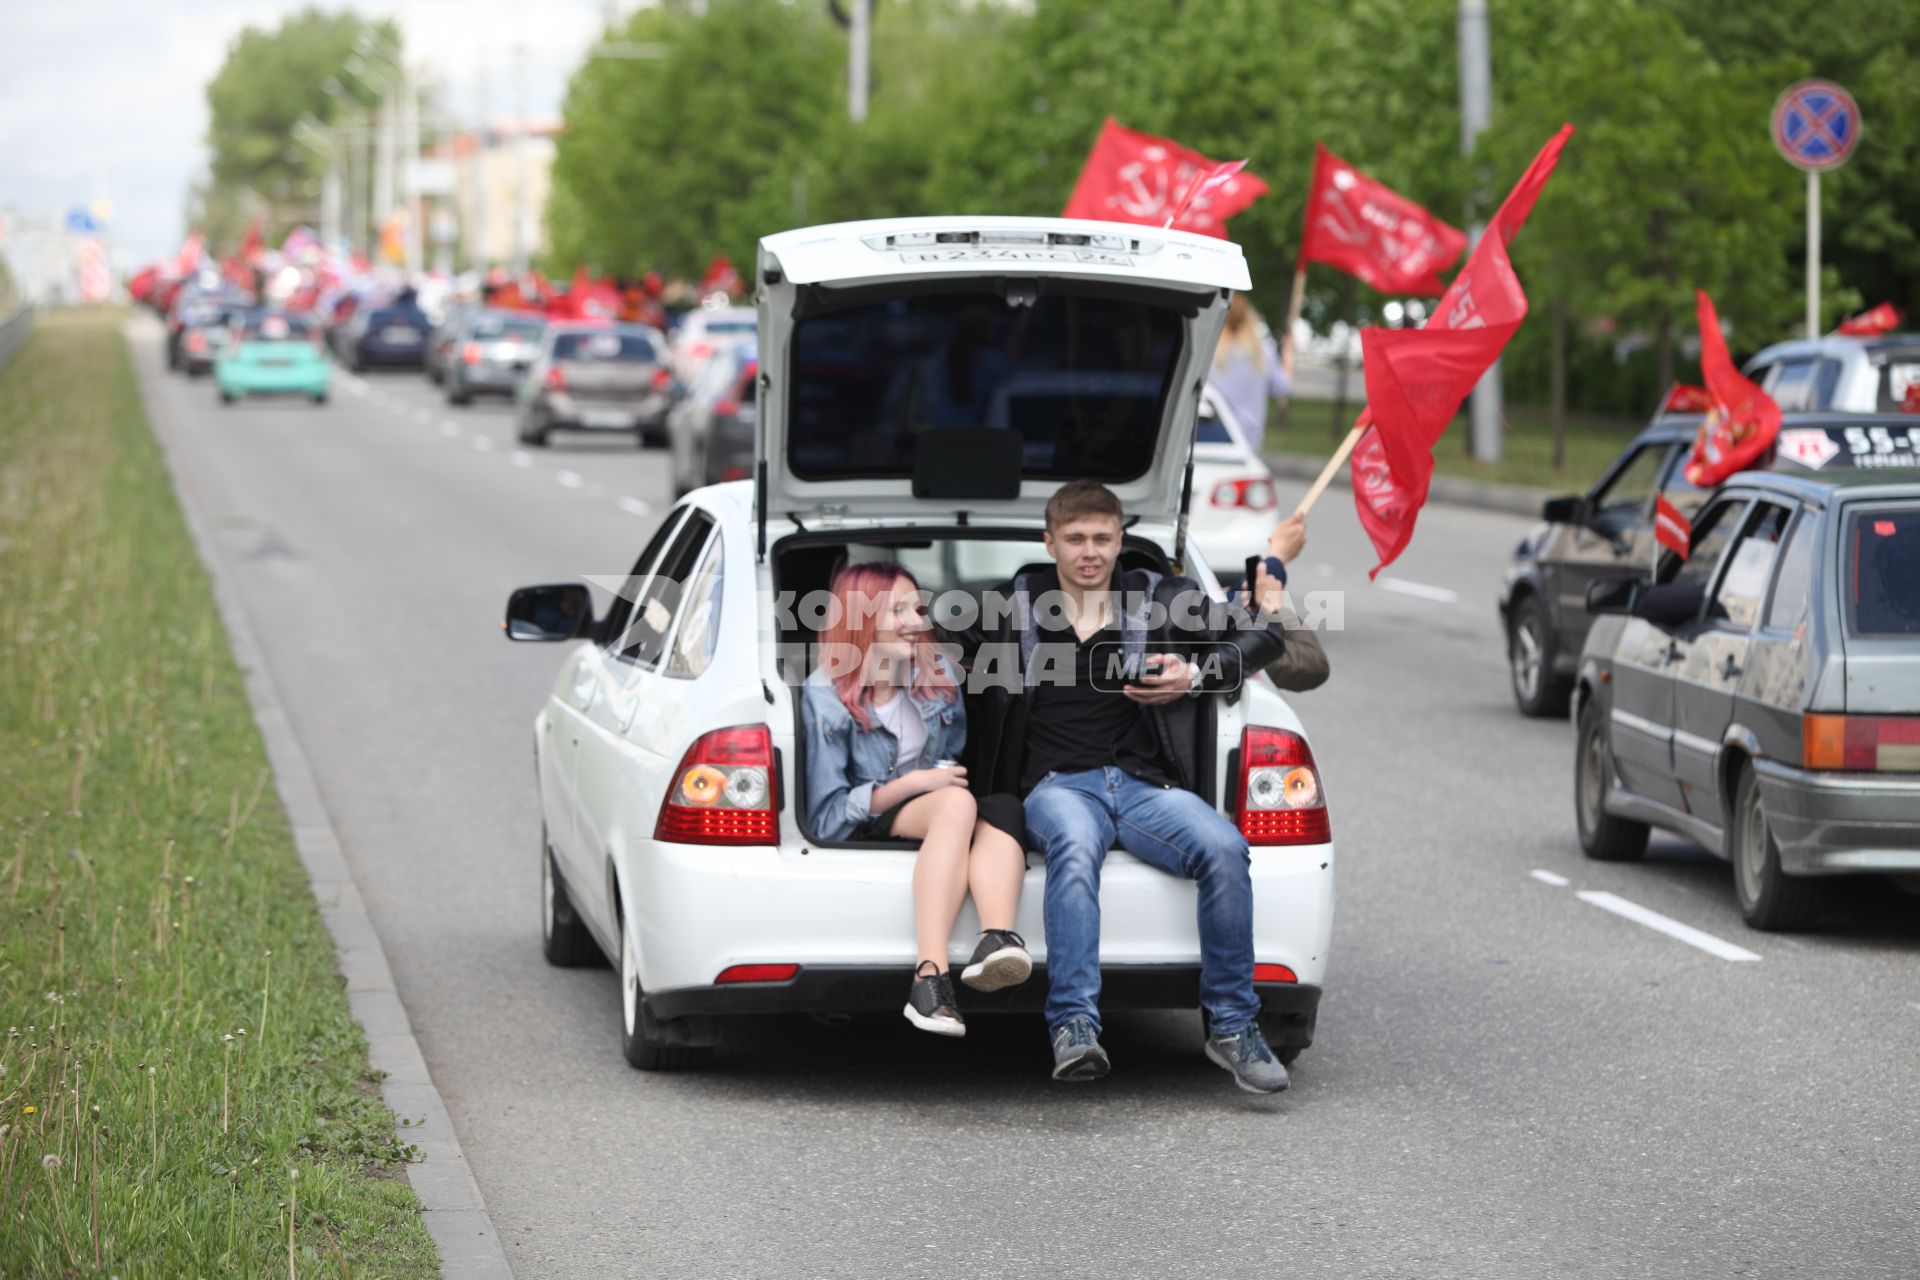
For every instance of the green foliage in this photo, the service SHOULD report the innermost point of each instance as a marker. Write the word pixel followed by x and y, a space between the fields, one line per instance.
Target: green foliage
pixel 177 1041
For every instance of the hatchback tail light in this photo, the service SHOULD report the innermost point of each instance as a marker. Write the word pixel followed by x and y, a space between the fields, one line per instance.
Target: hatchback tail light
pixel 1280 797
pixel 726 408
pixel 662 380
pixel 197 342
pixel 1253 493
pixel 723 791
pixel 1884 744
pixel 556 379
pixel 470 354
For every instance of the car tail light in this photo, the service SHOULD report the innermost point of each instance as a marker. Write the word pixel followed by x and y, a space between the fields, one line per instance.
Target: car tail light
pixel 662 380
pixel 757 973
pixel 1252 492
pixel 556 379
pixel 196 342
pixel 1274 973
pixel 733 473
pixel 699 350
pixel 470 354
pixel 1885 744
pixel 1281 800
pixel 726 408
pixel 723 791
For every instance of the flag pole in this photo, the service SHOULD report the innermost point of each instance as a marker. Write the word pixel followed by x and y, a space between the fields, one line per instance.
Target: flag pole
pixel 1328 472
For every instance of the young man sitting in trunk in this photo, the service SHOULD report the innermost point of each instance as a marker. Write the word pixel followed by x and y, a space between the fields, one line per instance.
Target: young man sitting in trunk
pixel 1101 763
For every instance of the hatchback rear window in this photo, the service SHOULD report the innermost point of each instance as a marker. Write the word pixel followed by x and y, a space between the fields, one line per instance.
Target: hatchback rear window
pixel 503 327
pixel 586 347
pixel 1881 551
pixel 278 328
pixel 1082 379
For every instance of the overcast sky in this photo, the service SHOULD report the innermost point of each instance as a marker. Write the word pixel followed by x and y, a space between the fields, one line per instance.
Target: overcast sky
pixel 106 97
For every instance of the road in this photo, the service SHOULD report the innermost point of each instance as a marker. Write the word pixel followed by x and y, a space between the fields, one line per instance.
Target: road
pixel 1510 1079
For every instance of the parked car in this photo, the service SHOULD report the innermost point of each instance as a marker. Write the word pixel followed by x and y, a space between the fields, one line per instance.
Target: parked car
pixel 1840 373
pixel 490 353
pixel 390 335
pixel 274 353
pixel 597 377
pixel 703 332
pixel 669 752
pixel 1762 695
pixel 1609 529
pixel 710 428
pixel 1233 504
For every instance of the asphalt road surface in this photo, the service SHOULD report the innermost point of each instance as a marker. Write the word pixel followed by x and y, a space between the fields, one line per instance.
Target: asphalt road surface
pixel 1512 1078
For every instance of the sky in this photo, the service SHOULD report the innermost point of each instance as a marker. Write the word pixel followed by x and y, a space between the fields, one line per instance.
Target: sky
pixel 106 97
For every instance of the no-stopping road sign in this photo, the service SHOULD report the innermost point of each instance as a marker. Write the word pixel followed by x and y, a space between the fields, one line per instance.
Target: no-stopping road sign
pixel 1816 125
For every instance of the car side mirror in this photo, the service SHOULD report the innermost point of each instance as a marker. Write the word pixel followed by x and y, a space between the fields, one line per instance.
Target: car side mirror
pixel 561 611
pixel 1613 595
pixel 1571 509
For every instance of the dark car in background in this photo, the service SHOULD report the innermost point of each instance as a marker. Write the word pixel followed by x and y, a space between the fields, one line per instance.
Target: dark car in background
pixel 597 378
pixel 392 335
pixel 490 352
pixel 1762 695
pixel 710 428
pixel 1609 530
pixel 196 324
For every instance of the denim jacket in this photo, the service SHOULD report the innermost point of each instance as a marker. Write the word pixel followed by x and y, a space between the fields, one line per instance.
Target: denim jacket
pixel 845 762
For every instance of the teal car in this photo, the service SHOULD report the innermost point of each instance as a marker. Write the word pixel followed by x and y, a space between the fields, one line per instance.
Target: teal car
pixel 272 353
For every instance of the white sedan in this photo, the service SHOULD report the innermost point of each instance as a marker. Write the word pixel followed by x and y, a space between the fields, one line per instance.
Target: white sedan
pixel 1233 504
pixel 912 407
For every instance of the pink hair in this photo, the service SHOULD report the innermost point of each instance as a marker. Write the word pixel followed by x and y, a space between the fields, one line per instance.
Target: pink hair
pixel 860 593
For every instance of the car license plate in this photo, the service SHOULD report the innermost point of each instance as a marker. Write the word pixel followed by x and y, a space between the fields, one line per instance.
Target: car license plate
pixel 400 333
pixel 276 363
pixel 607 418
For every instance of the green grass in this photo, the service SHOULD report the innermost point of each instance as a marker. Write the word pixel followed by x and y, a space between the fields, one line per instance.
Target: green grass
pixel 1592 442
pixel 183 1089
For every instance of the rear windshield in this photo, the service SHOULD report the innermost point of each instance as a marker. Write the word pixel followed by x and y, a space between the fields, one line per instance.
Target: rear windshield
pixel 400 316
pixel 524 329
pixel 1881 552
pixel 278 328
pixel 745 324
pixel 1081 379
pixel 586 347
pixel 1211 429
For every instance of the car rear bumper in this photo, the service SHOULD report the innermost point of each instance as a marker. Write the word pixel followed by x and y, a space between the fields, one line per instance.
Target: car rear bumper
pixel 309 379
pixel 1225 541
pixel 380 353
pixel 1841 823
pixel 482 379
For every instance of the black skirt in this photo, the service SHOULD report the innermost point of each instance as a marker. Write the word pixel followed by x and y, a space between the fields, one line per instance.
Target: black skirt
pixel 1002 810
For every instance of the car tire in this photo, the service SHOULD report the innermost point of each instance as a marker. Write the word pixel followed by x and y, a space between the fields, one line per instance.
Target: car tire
pixel 458 395
pixel 1603 837
pixel 1537 688
pixel 538 439
pixel 321 398
pixel 564 938
pixel 1770 899
pixel 643 1038
pixel 227 397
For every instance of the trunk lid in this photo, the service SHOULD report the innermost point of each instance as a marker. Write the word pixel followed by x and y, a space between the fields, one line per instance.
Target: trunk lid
pixel 1879 585
pixel 919 367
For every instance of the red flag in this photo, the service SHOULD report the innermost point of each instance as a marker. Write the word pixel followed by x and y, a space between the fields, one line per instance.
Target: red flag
pixel 1416 378
pixel 1873 322
pixel 1370 231
pixel 1744 420
pixel 1671 528
pixel 722 277
pixel 1685 398
pixel 1136 177
pixel 251 245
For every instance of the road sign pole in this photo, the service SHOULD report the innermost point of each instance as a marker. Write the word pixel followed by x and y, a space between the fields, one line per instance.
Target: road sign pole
pixel 1813 253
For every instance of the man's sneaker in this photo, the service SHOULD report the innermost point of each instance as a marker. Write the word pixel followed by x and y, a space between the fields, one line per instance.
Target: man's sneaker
pixel 1001 960
pixel 1077 1054
pixel 1246 1055
pixel 930 1004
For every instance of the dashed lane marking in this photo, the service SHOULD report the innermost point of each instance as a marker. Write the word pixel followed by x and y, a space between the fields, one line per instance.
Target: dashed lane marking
pixel 521 458
pixel 1548 877
pixel 633 506
pixel 1419 590
pixel 569 479
pixel 449 428
pixel 1686 933
pixel 423 416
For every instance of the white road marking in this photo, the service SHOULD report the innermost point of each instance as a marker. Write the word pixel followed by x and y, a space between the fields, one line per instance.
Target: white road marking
pixel 423 416
pixel 1419 589
pixel 633 506
pixel 449 428
pixel 356 386
pixel 1666 924
pixel 482 444
pixel 521 458
pixel 1548 877
pixel 569 479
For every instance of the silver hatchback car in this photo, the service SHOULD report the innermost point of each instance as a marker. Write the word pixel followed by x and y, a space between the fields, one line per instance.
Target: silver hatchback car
pixel 1763 695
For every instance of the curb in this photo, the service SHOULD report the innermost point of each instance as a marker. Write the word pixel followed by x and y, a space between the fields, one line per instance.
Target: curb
pixel 455 1215
pixel 1485 495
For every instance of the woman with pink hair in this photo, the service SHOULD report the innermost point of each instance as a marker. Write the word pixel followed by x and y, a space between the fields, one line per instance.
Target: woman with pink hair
pixel 885 724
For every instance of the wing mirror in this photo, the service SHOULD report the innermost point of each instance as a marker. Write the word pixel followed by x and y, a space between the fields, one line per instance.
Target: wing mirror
pixel 1613 595
pixel 562 611
pixel 1571 509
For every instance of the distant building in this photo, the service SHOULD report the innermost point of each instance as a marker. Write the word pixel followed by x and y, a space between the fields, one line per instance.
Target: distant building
pixel 500 216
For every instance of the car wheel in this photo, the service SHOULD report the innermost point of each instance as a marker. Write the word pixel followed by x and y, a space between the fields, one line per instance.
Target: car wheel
pixel 1537 688
pixel 458 395
pixel 564 938
pixel 538 439
pixel 1603 837
pixel 227 397
pixel 644 1039
pixel 1770 899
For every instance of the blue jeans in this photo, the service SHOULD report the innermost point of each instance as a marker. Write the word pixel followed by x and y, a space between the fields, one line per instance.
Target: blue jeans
pixel 1074 818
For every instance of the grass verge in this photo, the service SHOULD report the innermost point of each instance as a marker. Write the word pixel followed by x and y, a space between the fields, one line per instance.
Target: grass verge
pixel 182 1090
pixel 1592 442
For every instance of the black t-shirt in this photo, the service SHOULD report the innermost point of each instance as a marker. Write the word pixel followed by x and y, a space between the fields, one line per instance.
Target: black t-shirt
pixel 1075 726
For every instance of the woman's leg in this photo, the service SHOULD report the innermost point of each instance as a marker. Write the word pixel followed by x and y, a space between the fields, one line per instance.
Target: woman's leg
pixel 942 821
pixel 995 869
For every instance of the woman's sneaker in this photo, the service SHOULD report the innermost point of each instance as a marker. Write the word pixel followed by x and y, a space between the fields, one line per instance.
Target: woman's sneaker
pixel 930 1004
pixel 1000 961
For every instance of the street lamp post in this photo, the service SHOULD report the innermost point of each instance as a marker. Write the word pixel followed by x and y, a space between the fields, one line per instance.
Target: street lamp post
pixel 1476 112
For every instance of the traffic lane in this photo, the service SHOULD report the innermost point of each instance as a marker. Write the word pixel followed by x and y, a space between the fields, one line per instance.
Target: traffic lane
pixel 534 1111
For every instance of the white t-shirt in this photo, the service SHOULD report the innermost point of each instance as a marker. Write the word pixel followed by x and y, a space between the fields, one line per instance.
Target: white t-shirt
pixel 900 717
